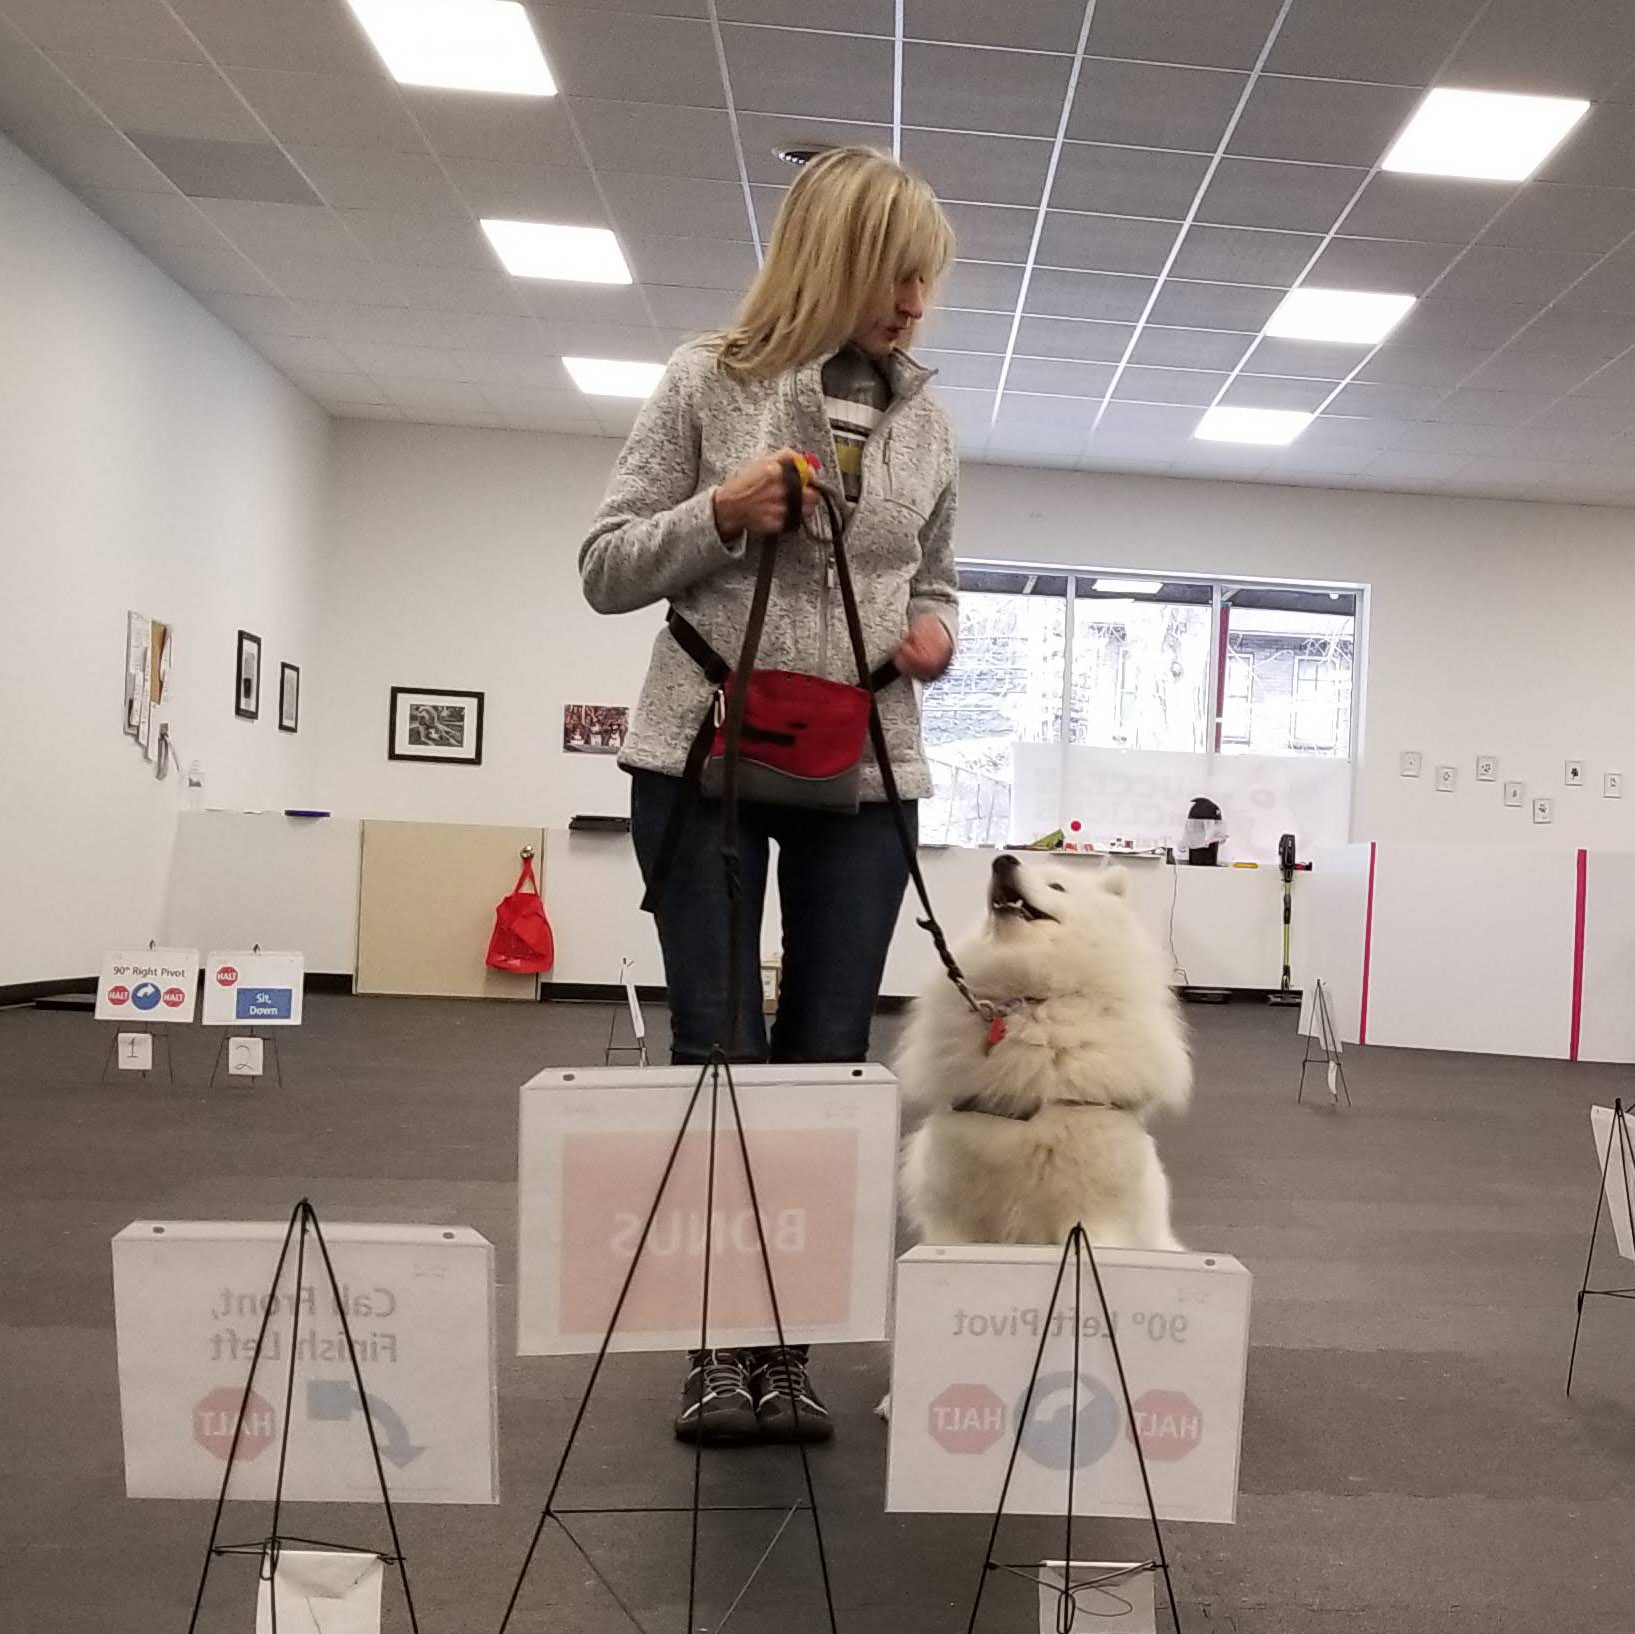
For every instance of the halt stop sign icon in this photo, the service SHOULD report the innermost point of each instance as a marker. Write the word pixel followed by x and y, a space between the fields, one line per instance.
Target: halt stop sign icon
pixel 1169 1424
pixel 217 1413
pixel 966 1418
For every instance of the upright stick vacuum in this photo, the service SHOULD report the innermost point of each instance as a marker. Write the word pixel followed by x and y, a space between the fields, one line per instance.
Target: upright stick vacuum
pixel 1286 993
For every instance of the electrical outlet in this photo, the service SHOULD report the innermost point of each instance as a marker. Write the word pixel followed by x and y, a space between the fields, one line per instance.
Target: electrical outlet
pixel 1612 785
pixel 1515 794
pixel 1410 762
pixel 1487 768
pixel 1544 811
pixel 1447 779
pixel 1573 774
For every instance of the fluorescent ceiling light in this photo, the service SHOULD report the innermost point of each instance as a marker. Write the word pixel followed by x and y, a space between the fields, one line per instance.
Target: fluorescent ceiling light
pixel 1354 316
pixel 534 249
pixel 1252 425
pixel 608 377
pixel 460 45
pixel 1488 135
pixel 1129 587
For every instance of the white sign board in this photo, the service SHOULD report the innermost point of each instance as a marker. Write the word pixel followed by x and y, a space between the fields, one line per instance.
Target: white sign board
pixel 134 1052
pixel 822 1143
pixel 148 985
pixel 245 1057
pixel 188 1301
pixel 969 1322
pixel 253 989
pixel 1107 1597
pixel 1620 1174
pixel 319 1591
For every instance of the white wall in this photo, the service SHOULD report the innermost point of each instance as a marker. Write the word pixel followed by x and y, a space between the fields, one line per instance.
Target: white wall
pixel 149 460
pixel 1495 628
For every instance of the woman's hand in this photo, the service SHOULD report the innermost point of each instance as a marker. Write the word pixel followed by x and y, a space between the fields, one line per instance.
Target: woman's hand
pixel 927 650
pixel 752 499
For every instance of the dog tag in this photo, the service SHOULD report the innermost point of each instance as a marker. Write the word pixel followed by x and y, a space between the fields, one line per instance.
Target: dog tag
pixel 996 1031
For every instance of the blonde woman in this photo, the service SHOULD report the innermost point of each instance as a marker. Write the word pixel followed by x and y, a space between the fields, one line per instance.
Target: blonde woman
pixel 814 364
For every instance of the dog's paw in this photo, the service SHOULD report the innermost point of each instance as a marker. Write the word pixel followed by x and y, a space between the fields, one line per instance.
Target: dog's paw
pixel 883 1411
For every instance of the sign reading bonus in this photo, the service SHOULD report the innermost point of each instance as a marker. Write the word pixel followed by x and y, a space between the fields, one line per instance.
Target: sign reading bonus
pixel 149 985
pixel 969 1323
pixel 253 989
pixel 189 1297
pixel 823 1144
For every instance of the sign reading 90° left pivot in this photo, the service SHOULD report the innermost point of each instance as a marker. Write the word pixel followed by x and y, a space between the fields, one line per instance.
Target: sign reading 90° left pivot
pixel 251 989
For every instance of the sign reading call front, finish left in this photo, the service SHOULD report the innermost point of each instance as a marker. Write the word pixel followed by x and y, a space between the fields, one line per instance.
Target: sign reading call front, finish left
pixel 148 985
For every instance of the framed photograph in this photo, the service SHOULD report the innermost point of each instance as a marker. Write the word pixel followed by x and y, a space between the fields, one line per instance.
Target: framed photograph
pixel 1515 794
pixel 289 698
pixel 1487 768
pixel 436 723
pixel 1572 774
pixel 1447 779
pixel 594 729
pixel 247 688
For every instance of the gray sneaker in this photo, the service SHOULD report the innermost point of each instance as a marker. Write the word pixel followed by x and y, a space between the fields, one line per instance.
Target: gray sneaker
pixel 785 1402
pixel 716 1406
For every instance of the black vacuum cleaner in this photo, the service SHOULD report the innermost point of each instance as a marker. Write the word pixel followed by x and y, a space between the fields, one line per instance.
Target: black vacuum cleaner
pixel 1288 867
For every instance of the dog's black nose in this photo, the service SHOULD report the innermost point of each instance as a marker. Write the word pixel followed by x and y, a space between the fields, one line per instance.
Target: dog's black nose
pixel 1005 863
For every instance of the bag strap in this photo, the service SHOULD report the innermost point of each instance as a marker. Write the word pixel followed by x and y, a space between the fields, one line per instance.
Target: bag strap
pixel 526 877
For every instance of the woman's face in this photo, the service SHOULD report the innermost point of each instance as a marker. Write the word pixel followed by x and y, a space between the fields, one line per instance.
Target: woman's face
pixel 886 323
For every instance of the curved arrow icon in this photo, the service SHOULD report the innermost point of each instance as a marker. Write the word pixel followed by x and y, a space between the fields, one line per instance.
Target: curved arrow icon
pixel 331 1399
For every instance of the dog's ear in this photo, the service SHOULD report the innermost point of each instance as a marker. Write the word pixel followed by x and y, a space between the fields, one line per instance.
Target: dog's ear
pixel 1115 881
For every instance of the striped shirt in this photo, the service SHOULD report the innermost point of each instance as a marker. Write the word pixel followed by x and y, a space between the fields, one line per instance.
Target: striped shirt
pixel 856 395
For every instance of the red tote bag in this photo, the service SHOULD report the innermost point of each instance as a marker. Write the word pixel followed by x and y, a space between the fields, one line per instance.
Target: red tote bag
pixel 522 939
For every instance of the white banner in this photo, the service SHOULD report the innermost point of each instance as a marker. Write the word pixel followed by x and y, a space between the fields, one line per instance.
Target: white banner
pixel 148 985
pixel 823 1146
pixel 245 989
pixel 188 1302
pixel 969 1322
pixel 1620 1175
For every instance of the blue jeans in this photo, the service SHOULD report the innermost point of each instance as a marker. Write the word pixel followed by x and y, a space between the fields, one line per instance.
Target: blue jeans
pixel 841 879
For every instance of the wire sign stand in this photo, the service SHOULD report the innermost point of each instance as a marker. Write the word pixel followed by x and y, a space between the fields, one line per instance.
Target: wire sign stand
pixel 303 1224
pixel 1078 1252
pixel 638 1025
pixel 717 1075
pixel 1328 1052
pixel 1618 1136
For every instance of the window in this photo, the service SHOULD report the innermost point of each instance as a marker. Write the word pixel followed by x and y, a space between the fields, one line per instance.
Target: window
pixel 1053 672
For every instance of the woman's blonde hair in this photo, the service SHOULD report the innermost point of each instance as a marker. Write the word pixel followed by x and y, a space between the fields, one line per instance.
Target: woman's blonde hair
pixel 854 225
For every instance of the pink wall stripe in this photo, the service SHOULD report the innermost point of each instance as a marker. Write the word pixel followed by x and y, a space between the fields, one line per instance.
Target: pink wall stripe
pixel 1368 942
pixel 1578 952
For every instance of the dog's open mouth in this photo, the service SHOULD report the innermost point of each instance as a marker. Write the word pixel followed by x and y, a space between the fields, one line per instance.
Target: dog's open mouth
pixel 1006 901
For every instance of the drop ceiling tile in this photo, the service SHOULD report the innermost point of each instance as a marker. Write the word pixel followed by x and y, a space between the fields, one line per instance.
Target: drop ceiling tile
pixel 34 94
pixel 1492 274
pixel 1084 341
pixel 1278 194
pixel 992 232
pixel 1321 121
pixel 409 362
pixel 265 315
pixel 453 289
pixel 1304 359
pixel 1474 407
pixel 1041 25
pixel 280 229
pixel 564 400
pixel 292 352
pixel 1190 348
pixel 981 286
pixel 1580 48
pixel 1302 462
pixel 954 88
pixel 1613 381
pixel 523 192
pixel 1215 306
pixel 695 309
pixel 1107 180
pixel 1139 104
pixel 255 172
pixel 1551 216
pixel 1425 472
pixel 676 206
pixel 1608 288
pixel 1105 243
pixel 82 156
pixel 768 202
pixel 1593 335
pixel 155 218
pixel 1372 402
pixel 1065 414
pixel 337 386
pixel 400 239
pixel 979 169
pixel 1165 422
pixel 1433 437
pixel 975 371
pixel 1390 264
pixel 1055 292
pixel 1435 209
pixel 657 140
pixel 555 421
pixel 356 179
pixel 327 278
pixel 1243 255
pixel 1332 430
pixel 472 125
pixel 454 331
pixel 310 36
pixel 830 76
pixel 1438 322
pixel 348 321
pixel 1417 365
pixel 341 409
pixel 835 16
pixel 695 263
pixel 1596 153
pixel 1192 386
pixel 1057 376
pixel 1575 416
pixel 623 57
pixel 209 272
pixel 948 330
pixel 1396 42
pixel 109 28
pixel 1522 368
pixel 163 98
pixel 1207 33
pixel 763 134
pixel 436 396
pixel 330 110
pixel 588 338
pixel 563 305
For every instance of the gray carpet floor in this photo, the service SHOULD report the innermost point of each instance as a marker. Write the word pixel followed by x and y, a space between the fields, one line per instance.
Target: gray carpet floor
pixel 1410 1461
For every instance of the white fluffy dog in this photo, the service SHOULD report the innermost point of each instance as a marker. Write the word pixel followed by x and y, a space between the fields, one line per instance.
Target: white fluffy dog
pixel 1037 1122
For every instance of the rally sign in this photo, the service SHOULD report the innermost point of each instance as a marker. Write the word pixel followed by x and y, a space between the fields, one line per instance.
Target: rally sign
pixel 188 1303
pixel 969 1325
pixel 253 989
pixel 822 1143
pixel 151 985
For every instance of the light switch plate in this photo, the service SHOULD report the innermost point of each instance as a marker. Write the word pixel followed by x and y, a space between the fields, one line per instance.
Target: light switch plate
pixel 1543 810
pixel 1572 774
pixel 1515 794
pixel 1487 768
pixel 1447 779
pixel 1612 785
pixel 1411 762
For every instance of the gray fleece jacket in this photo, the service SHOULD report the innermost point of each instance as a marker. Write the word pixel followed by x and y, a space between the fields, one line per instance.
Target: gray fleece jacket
pixel 654 539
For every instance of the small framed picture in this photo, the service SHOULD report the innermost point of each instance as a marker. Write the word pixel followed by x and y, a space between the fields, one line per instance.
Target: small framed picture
pixel 1544 810
pixel 1573 774
pixel 1487 768
pixel 1409 762
pixel 247 682
pixel 436 723
pixel 289 698
pixel 1612 785
pixel 594 729
pixel 1447 779
pixel 1515 794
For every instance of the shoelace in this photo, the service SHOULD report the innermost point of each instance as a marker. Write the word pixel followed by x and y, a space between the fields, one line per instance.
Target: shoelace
pixel 721 1378
pixel 785 1372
